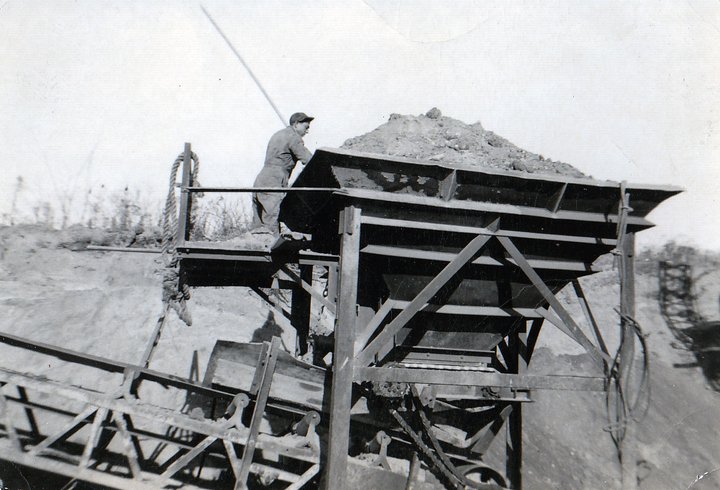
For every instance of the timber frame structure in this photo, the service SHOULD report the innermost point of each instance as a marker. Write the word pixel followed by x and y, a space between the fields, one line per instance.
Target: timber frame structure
pixel 439 279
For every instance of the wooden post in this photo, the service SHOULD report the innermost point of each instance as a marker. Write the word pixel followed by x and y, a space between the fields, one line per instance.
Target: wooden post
pixel 517 343
pixel 184 212
pixel 343 356
pixel 300 310
pixel 628 447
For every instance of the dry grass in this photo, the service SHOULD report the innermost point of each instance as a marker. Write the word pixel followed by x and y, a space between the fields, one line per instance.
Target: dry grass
pixel 126 213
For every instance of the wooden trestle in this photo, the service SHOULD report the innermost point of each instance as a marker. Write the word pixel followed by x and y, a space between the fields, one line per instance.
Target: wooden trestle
pixel 439 278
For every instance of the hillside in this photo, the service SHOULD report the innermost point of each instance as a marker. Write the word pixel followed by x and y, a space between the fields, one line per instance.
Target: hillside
pixel 106 304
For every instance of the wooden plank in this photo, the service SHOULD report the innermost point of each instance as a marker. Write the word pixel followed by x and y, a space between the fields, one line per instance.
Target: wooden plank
pixel 411 253
pixel 128 446
pixel 8 423
pixel 343 354
pixel 261 189
pixel 487 207
pixel 478 378
pixel 484 437
pixel 34 429
pixel 305 477
pixel 290 275
pixel 258 414
pixel 517 343
pixel 448 186
pixel 597 356
pixel 473 230
pixel 553 319
pixel 366 332
pixel 349 157
pixel 494 311
pixel 305 392
pixel 232 458
pixel 628 447
pixel 557 198
pixel 589 315
pixel 430 290
pixel 68 429
pixel 95 431
pixel 186 458
pixel 533 335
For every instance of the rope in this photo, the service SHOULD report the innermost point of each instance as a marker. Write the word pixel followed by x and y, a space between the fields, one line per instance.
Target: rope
pixel 175 292
pixel 627 404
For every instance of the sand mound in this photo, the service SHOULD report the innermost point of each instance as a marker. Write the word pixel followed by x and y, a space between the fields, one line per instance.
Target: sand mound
pixel 432 136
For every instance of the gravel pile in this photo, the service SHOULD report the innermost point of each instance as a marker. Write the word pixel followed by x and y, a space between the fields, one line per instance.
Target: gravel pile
pixel 434 137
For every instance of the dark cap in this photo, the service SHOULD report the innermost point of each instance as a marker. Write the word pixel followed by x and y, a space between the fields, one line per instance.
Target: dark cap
pixel 300 117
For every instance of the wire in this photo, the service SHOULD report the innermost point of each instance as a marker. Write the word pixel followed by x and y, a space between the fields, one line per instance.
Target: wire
pixel 250 72
pixel 629 405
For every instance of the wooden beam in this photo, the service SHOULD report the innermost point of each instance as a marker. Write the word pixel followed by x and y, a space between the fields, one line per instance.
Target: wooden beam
pixel 597 356
pixel 628 447
pixel 183 225
pixel 430 290
pixel 128 446
pixel 364 333
pixel 258 414
pixel 343 355
pixel 67 430
pixel 517 343
pixel 7 421
pixel 479 378
pixel 262 189
pixel 484 437
pixel 448 186
pixel 412 253
pixel 495 311
pixel 307 287
pixel 557 198
pixel 589 315
pixel 378 197
pixel 95 431
pixel 474 230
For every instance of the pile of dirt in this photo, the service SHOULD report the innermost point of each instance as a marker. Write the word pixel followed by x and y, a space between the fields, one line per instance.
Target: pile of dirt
pixel 434 137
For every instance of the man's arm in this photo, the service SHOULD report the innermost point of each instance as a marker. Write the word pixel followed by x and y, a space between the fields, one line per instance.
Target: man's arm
pixel 298 149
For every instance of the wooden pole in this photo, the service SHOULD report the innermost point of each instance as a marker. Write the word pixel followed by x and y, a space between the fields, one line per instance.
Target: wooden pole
pixel 628 448
pixel 513 447
pixel 184 213
pixel 300 310
pixel 343 356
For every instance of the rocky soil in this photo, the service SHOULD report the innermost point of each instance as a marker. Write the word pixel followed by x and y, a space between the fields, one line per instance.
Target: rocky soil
pixel 434 137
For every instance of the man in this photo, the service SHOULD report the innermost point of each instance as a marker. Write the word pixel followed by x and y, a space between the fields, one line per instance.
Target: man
pixel 284 150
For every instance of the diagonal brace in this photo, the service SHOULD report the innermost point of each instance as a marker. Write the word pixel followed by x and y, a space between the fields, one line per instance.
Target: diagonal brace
pixel 466 255
pixel 574 331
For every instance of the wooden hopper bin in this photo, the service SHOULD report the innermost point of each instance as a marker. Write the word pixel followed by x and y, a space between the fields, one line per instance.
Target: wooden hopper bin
pixel 418 216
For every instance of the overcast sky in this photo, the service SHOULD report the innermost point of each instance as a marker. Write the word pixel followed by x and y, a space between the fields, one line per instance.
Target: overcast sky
pixel 106 93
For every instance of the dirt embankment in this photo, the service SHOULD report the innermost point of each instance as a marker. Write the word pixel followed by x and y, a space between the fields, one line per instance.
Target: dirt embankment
pixel 432 136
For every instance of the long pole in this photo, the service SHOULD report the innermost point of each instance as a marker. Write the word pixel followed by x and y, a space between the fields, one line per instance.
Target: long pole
pixel 283 121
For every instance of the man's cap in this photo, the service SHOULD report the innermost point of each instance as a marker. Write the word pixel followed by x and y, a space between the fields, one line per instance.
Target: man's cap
pixel 300 117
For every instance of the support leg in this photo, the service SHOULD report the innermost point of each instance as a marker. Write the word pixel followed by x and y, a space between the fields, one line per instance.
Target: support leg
pixel 343 356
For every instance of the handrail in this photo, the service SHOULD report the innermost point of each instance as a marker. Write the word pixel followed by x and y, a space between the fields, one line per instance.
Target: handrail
pixel 261 189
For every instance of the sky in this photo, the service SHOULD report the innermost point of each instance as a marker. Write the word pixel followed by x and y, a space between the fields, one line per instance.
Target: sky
pixel 99 96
